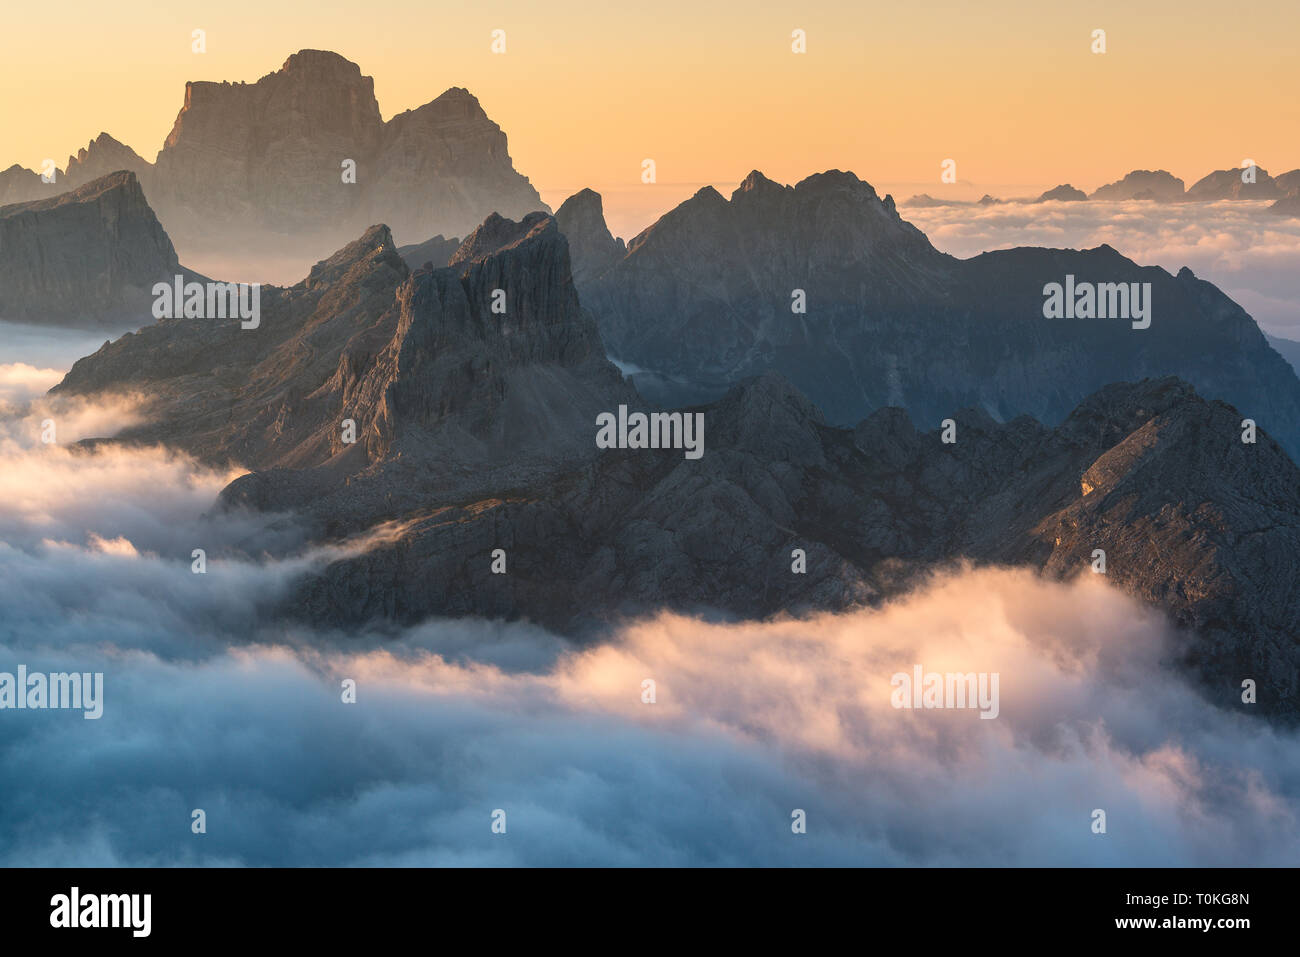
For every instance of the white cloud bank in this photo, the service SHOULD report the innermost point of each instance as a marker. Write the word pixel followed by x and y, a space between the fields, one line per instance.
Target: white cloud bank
pixel 207 705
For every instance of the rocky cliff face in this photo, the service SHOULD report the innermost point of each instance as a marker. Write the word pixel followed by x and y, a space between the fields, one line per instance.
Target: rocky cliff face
pixel 490 359
pixel 247 160
pixel 443 168
pixel 268 396
pixel 269 153
pixel 711 293
pixel 258 168
pixel 88 256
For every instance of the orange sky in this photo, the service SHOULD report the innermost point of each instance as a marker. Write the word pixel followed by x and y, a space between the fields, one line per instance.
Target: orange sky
pixel 586 91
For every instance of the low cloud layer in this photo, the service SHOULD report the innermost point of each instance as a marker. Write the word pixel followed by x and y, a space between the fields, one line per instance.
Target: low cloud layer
pixel 208 705
pixel 1249 253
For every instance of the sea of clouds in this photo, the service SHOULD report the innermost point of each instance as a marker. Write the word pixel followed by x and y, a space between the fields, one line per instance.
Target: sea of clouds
pixel 209 703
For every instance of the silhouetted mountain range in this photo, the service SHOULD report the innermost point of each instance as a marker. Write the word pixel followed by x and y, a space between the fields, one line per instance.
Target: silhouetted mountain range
pixel 260 166
pixel 475 428
pixel 706 297
pixel 1159 186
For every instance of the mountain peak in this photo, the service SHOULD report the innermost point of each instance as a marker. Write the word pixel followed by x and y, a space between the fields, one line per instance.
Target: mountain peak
pixel 247 160
pixel 834 180
pixel 375 245
pixel 103 155
pixel 497 234
pixel 591 245
pixel 758 184
pixel 585 201
pixel 316 61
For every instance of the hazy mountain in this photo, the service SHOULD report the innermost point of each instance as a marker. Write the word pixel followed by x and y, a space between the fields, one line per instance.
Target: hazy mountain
pixel 926 201
pixel 270 156
pixel 436 251
pixel 707 296
pixel 1156 185
pixel 258 168
pixel 1288 349
pixel 1288 206
pixel 86 256
pixel 401 353
pixel 19 185
pixel 102 156
pixel 1227 184
pixel 1064 193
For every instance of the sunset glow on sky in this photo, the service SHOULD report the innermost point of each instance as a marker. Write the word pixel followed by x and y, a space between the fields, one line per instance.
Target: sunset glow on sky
pixel 586 91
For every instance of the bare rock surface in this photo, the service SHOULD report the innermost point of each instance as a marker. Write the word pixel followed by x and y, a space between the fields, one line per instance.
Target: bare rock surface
pixel 87 256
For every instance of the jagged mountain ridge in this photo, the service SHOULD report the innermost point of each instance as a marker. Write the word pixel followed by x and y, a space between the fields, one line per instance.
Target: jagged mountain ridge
pixel 703 299
pixel 406 355
pixel 475 432
pixel 1192 521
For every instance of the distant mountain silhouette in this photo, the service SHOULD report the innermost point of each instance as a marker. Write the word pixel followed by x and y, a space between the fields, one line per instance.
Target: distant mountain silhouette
pixel 1158 186
pixel 1064 194
pixel 436 252
pixel 1228 184
pixel 706 297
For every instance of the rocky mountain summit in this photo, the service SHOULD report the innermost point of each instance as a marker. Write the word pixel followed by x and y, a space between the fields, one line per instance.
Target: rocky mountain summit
pixel 492 350
pixel 270 157
pixel 301 161
pixel 102 156
pixel 88 256
pixel 581 218
pixel 473 432
pixel 19 185
pixel 825 283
